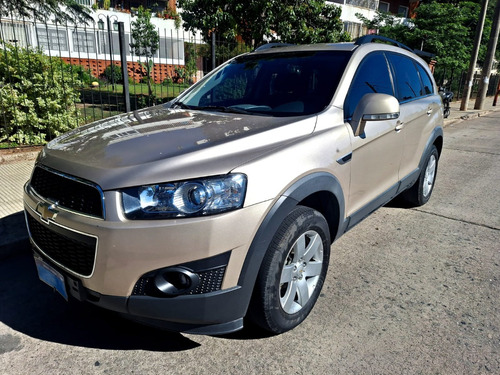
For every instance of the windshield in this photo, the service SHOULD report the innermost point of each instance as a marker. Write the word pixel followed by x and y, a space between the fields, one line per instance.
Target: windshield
pixel 278 84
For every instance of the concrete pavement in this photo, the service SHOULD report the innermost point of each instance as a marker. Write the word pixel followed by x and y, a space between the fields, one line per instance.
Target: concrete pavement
pixel 15 170
pixel 13 234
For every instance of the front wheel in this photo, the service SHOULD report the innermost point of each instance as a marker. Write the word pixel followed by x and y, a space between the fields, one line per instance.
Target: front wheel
pixel 292 272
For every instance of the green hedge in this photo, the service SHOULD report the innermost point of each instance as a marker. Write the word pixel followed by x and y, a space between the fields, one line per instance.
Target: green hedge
pixel 37 96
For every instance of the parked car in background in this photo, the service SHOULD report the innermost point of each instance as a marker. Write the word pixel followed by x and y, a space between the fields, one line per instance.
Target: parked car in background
pixel 224 203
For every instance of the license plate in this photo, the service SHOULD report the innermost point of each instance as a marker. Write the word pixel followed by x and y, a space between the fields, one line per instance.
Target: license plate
pixel 51 277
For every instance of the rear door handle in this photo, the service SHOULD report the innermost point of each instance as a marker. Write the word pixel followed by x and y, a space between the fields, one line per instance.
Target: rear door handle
pixel 429 111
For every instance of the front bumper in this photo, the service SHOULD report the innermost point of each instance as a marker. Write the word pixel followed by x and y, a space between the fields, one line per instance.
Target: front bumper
pixel 211 313
pixel 127 250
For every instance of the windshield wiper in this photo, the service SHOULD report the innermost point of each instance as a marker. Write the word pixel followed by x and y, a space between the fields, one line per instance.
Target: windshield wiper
pixel 221 108
pixel 181 105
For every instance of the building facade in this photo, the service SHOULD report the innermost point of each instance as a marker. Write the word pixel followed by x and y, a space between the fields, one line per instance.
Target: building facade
pixel 96 45
pixel 368 8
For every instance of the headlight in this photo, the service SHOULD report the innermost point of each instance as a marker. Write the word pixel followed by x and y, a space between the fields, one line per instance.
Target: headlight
pixel 206 196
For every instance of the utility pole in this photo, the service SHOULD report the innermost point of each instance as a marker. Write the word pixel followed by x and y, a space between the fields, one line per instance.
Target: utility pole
pixel 488 62
pixel 473 59
pixel 213 50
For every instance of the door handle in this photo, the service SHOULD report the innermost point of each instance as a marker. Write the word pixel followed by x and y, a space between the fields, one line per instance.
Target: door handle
pixel 429 111
pixel 400 125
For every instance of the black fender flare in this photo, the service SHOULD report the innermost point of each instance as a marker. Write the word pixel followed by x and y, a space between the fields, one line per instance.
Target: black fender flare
pixel 298 191
pixel 436 133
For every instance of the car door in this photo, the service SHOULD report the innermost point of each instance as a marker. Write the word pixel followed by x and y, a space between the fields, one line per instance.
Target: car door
pixel 377 152
pixel 419 109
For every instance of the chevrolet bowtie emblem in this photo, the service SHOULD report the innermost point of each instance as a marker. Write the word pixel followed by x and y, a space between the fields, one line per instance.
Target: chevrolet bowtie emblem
pixel 47 211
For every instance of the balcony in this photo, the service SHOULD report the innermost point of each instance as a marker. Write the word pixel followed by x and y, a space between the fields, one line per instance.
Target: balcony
pixel 369 4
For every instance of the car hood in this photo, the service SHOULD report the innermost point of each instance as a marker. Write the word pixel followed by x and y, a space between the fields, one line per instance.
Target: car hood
pixel 160 144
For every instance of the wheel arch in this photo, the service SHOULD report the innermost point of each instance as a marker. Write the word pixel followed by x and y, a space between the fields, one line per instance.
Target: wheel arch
pixel 436 139
pixel 320 191
pixel 438 142
pixel 327 204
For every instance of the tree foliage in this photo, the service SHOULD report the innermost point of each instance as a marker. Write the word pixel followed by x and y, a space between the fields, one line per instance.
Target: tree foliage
pixel 448 31
pixel 61 10
pixel 145 41
pixel 389 26
pixel 113 73
pixel 37 98
pixel 290 21
pixel 145 38
pixel 444 28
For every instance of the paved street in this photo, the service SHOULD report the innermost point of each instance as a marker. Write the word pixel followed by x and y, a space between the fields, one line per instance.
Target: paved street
pixel 409 291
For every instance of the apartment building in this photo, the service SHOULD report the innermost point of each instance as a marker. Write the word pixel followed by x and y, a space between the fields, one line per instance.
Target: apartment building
pixel 368 8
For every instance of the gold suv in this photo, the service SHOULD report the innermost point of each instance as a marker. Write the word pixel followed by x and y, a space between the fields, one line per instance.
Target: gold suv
pixel 223 204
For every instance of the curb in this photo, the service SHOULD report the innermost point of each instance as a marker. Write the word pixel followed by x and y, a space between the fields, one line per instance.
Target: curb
pixel 20 156
pixel 475 115
pixel 470 116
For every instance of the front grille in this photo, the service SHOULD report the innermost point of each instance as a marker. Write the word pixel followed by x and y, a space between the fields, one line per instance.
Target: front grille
pixel 68 192
pixel 72 250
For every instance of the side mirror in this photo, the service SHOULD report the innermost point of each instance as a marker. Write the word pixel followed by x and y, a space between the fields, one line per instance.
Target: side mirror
pixel 374 107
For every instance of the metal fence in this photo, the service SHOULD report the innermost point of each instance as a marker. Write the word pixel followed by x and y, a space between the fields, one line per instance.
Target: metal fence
pixel 456 83
pixel 89 59
pixel 100 74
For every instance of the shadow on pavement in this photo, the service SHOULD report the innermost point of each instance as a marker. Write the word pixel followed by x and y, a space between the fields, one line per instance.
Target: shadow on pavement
pixel 13 235
pixel 249 332
pixel 32 308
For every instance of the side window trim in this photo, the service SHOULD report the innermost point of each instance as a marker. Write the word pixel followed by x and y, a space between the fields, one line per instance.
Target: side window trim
pixel 393 75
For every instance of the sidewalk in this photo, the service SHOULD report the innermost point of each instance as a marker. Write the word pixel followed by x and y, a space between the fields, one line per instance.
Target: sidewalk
pixel 13 233
pixel 16 170
pixel 457 116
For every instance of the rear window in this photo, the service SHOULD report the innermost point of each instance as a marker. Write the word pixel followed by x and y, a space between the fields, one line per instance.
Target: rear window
pixel 278 84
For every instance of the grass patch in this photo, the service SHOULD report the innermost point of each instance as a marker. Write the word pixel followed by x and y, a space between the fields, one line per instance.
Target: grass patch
pixel 160 91
pixel 93 113
pixel 8 144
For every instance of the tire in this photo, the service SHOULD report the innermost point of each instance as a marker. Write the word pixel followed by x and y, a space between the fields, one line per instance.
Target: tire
pixel 292 272
pixel 420 193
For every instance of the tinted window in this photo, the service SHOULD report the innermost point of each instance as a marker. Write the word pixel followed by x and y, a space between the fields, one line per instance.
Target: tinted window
pixel 278 84
pixel 406 77
pixel 372 77
pixel 427 87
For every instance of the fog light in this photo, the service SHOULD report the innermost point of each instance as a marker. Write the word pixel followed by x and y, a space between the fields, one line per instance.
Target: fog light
pixel 176 281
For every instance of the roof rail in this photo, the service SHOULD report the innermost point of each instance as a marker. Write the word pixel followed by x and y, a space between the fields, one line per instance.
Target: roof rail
pixel 424 54
pixel 272 45
pixel 374 37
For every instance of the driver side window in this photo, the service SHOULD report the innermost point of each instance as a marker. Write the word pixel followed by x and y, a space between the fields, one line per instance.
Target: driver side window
pixel 372 77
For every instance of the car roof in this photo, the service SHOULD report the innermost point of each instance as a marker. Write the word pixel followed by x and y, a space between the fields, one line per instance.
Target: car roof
pixel 281 47
pixel 371 42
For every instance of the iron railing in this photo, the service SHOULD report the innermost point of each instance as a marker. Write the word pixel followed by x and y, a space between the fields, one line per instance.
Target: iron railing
pixel 90 58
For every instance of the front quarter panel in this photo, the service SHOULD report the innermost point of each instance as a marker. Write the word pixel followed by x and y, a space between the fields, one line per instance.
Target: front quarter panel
pixel 271 175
